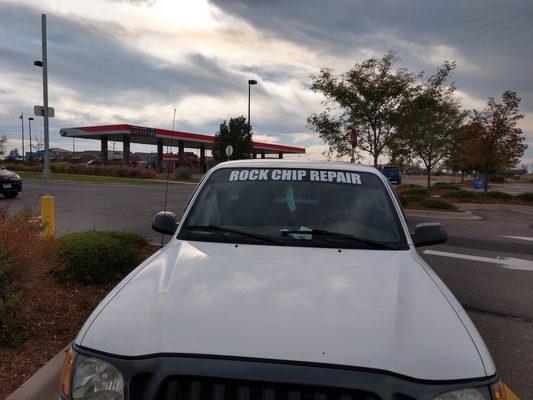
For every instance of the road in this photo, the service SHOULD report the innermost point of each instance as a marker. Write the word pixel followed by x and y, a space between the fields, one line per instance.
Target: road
pixel 87 206
pixel 499 299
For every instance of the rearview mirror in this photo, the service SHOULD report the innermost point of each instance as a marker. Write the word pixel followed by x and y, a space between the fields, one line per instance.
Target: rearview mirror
pixel 165 222
pixel 428 233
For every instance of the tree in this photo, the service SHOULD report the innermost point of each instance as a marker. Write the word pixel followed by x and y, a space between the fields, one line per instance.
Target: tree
pixel 366 99
pixel 14 152
pixel 457 160
pixel 237 134
pixel 3 141
pixel 400 155
pixel 430 119
pixel 494 141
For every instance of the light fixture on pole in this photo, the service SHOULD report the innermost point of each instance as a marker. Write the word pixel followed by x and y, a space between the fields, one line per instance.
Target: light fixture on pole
pixel 31 146
pixel 22 125
pixel 250 83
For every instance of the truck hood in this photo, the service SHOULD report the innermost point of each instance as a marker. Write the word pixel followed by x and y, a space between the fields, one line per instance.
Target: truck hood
pixel 362 308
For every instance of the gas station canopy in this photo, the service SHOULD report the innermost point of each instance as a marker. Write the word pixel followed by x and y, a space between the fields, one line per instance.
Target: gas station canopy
pixel 164 137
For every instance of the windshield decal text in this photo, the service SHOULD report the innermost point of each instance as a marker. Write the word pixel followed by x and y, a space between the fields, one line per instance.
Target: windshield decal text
pixel 295 175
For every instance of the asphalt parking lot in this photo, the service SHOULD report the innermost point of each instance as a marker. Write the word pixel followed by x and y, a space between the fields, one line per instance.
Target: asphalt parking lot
pixel 487 263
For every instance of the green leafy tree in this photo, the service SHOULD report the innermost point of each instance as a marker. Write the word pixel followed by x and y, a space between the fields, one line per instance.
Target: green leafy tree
pixel 367 99
pixel 494 140
pixel 237 134
pixel 431 119
pixel 400 155
pixel 457 160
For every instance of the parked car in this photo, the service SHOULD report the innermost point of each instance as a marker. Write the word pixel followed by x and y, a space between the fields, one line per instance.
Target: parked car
pixel 392 173
pixel 284 280
pixel 10 183
pixel 95 162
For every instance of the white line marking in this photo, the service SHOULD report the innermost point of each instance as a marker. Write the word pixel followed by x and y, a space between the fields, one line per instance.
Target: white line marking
pixel 519 237
pixel 509 263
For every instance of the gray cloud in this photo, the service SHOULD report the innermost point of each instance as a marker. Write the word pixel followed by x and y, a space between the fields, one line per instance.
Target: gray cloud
pixel 493 36
pixel 136 2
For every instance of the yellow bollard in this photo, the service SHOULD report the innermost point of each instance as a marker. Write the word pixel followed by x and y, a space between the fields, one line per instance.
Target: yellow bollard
pixel 48 215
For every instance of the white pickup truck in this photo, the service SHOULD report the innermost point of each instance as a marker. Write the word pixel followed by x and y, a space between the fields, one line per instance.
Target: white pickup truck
pixel 284 280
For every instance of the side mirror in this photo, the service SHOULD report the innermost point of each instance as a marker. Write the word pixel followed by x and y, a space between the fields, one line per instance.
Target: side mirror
pixel 428 233
pixel 165 222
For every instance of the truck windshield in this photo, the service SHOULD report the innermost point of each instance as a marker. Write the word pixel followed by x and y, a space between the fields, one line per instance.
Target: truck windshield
pixel 295 207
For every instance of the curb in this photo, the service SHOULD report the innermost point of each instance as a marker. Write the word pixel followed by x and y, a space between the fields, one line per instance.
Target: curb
pixel 462 215
pixel 493 206
pixel 44 384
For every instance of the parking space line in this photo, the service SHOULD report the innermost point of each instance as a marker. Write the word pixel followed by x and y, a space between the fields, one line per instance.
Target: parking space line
pixel 509 263
pixel 522 211
pixel 519 237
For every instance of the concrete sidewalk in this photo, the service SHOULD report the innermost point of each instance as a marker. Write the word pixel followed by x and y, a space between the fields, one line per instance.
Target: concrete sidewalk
pixel 494 206
pixel 452 215
pixel 44 384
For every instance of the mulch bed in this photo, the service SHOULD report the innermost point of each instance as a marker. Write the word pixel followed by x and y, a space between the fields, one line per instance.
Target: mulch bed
pixel 54 313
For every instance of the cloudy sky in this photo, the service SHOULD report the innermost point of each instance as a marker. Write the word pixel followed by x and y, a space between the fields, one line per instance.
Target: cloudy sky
pixel 134 61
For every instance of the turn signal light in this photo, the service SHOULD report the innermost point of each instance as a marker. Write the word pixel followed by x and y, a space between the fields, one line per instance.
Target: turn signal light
pixel 66 373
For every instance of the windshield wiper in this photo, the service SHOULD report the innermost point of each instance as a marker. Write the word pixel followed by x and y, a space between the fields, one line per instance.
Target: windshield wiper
pixel 338 235
pixel 222 229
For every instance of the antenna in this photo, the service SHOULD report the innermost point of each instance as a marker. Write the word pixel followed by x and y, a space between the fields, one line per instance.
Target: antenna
pixel 173 119
pixel 168 176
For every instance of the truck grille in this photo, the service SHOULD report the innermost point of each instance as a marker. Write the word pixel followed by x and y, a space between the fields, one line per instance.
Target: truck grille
pixel 200 388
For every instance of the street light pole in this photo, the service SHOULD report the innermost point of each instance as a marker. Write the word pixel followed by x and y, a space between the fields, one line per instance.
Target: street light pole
pixel 31 147
pixel 45 104
pixel 250 83
pixel 47 201
pixel 22 126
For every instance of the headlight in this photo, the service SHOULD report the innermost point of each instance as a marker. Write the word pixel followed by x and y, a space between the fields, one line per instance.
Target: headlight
pixel 92 379
pixel 466 394
pixel 18 177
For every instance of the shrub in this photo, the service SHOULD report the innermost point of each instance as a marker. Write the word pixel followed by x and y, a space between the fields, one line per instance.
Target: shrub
pixel 182 174
pixel 409 198
pixel 528 196
pixel 412 190
pixel 435 203
pixel 460 194
pixel 19 166
pixel 445 185
pixel 145 173
pixel 95 257
pixel 403 201
pixel 60 168
pixel 9 307
pixel 499 195
pixel 25 257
